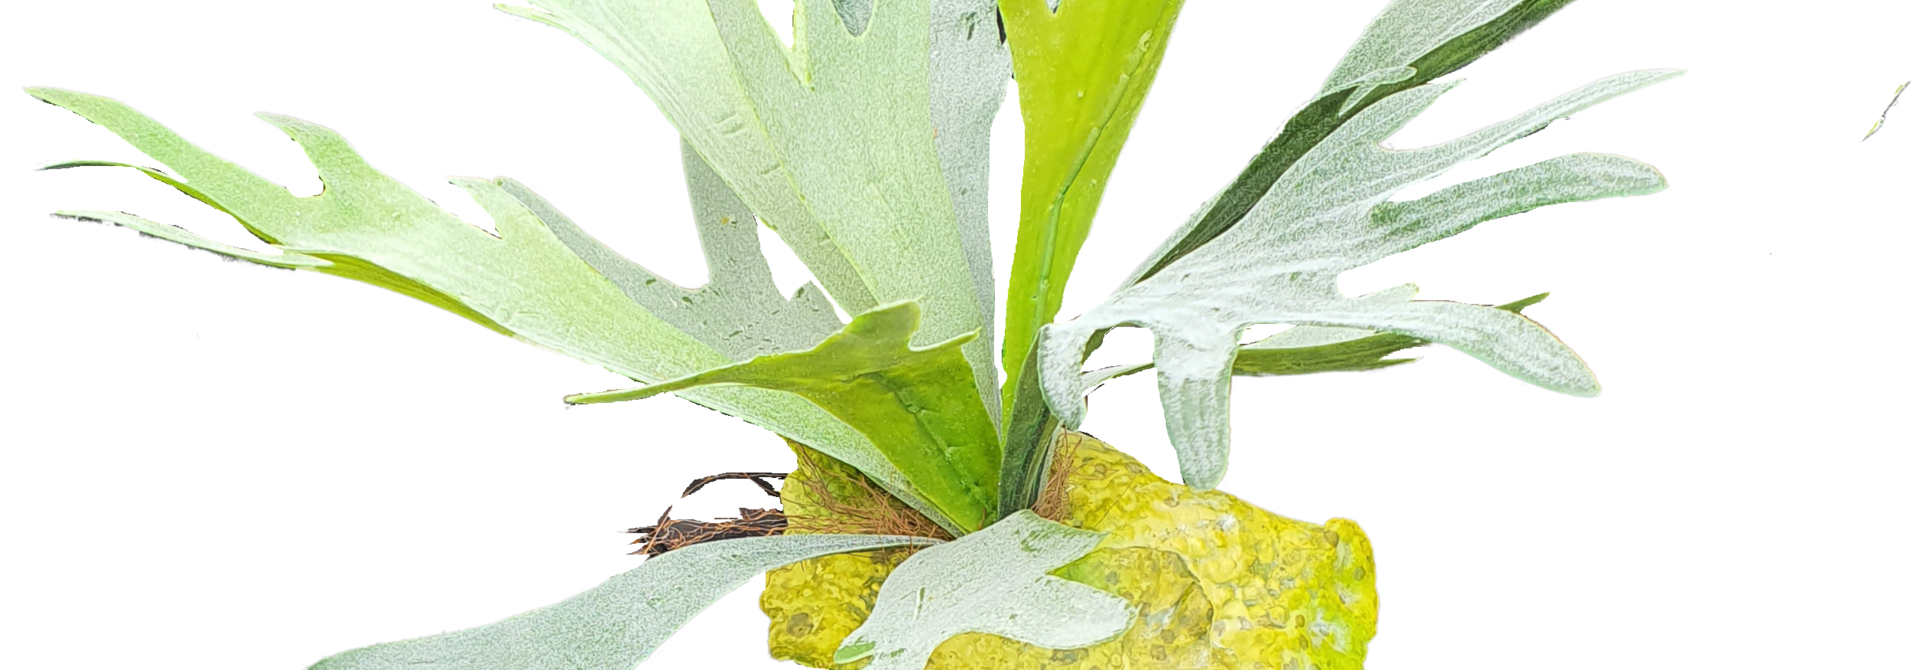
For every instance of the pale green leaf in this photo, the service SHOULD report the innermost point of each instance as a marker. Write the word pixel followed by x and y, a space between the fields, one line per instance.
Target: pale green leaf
pixel 1330 213
pixel 1304 337
pixel 1400 35
pixel 1330 110
pixel 970 68
pixel 1882 121
pixel 285 259
pixel 524 282
pixel 618 624
pixel 917 405
pixel 739 312
pixel 1306 350
pixel 994 581
pixel 865 205
pixel 1092 379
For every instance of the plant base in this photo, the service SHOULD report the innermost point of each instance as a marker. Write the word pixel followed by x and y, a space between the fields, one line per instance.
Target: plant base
pixel 1220 584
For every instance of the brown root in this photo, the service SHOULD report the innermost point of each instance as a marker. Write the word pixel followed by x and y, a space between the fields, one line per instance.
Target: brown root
pixel 835 498
pixel 669 534
pixel 1052 503
pixel 758 478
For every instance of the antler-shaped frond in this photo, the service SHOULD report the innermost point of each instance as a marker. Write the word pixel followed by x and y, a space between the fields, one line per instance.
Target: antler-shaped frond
pixel 526 282
pixel 1271 247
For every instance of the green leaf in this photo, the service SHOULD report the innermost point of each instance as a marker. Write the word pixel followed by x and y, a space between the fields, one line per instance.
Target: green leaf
pixel 865 205
pixel 1306 350
pixel 1084 72
pixel 1027 452
pixel 618 624
pixel 994 581
pixel 1328 214
pixel 916 404
pixel 1421 39
pixel 524 282
pixel 1084 69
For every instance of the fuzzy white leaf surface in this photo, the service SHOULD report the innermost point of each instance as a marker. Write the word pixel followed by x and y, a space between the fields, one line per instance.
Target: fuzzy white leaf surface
pixel 865 205
pixel 970 69
pixel 1300 337
pixel 740 311
pixel 1402 33
pixel 618 624
pixel 992 581
pixel 1327 214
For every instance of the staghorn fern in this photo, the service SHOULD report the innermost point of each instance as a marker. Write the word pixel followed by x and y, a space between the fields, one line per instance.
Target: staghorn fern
pixel 865 147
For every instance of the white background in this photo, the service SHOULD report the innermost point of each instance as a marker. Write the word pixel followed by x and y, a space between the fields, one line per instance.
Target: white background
pixel 212 465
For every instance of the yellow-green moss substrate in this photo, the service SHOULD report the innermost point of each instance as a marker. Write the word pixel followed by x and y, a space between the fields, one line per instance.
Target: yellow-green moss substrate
pixel 1220 584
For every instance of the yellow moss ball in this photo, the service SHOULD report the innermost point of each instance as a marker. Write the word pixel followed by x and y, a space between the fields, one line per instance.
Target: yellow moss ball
pixel 1220 584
